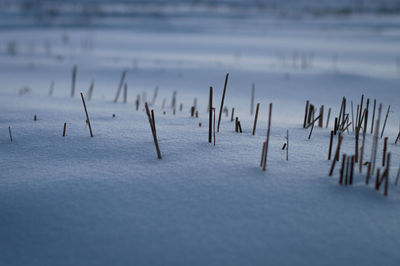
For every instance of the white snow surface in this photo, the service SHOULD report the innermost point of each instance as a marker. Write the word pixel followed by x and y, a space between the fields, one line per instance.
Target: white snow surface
pixel 105 200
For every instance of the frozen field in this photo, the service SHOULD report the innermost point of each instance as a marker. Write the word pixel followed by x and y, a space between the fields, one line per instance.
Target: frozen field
pixel 77 200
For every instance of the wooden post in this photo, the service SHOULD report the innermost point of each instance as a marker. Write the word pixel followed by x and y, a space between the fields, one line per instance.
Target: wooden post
pixel 253 89
pixel 336 155
pixel 9 132
pixel 384 150
pixel 267 141
pixel 125 93
pixel 210 116
pixel 90 91
pixel 255 119
pixel 306 114
pixel 65 128
pixel 35 118
pixel 330 145
pixel 74 69
pixel 153 129
pixel 121 83
pixel 173 103
pixel 232 113
pixel 222 101
pixel 384 123
pixel 373 117
pixel 87 115
pixel 329 114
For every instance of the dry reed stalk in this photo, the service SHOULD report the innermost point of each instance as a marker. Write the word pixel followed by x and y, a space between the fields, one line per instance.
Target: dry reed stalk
pixel 210 116
pixel 267 141
pixel 222 101
pixel 330 145
pixel 87 115
pixel 336 155
pixel 255 119
pixel 121 83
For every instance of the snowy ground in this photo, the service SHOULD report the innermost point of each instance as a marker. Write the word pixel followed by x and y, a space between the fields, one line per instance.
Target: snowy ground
pixel 108 200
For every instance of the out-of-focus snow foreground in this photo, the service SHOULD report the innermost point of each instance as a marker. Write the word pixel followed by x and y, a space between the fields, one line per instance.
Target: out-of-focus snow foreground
pixel 77 200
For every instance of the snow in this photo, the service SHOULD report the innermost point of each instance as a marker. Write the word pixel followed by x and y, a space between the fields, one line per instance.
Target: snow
pixel 77 200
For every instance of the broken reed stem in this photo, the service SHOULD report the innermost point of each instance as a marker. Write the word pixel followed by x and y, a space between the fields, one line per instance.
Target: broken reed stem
pixel 155 94
pixel 363 138
pixel 377 178
pixel 368 173
pixel 352 115
pixel 330 145
pixel 287 144
pixel 222 101
pixel 236 124
pixel 121 83
pixel 336 155
pixel 351 170
pixel 398 137
pixel 375 141
pixel 347 171
pixel 306 114
pixel 267 141
pixel 312 127
pixel 387 175
pixel 214 125
pixel 73 81
pixel 255 119
pixel 373 117
pixel 253 89
pixel 126 93
pixel 384 123
pixel 262 154
pixel 153 128
pixel 397 177
pixel 210 116
pixel 361 108
pixel 87 115
pixel 384 151
pixel 240 127
pixel 9 132
pixel 65 128
pixel 335 126
pixel 90 91
pixel 232 113
pixel 342 169
pixel 356 142
pixel 321 116
pixel 51 88
pixel 137 102
pixel 329 114
pixel 312 122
